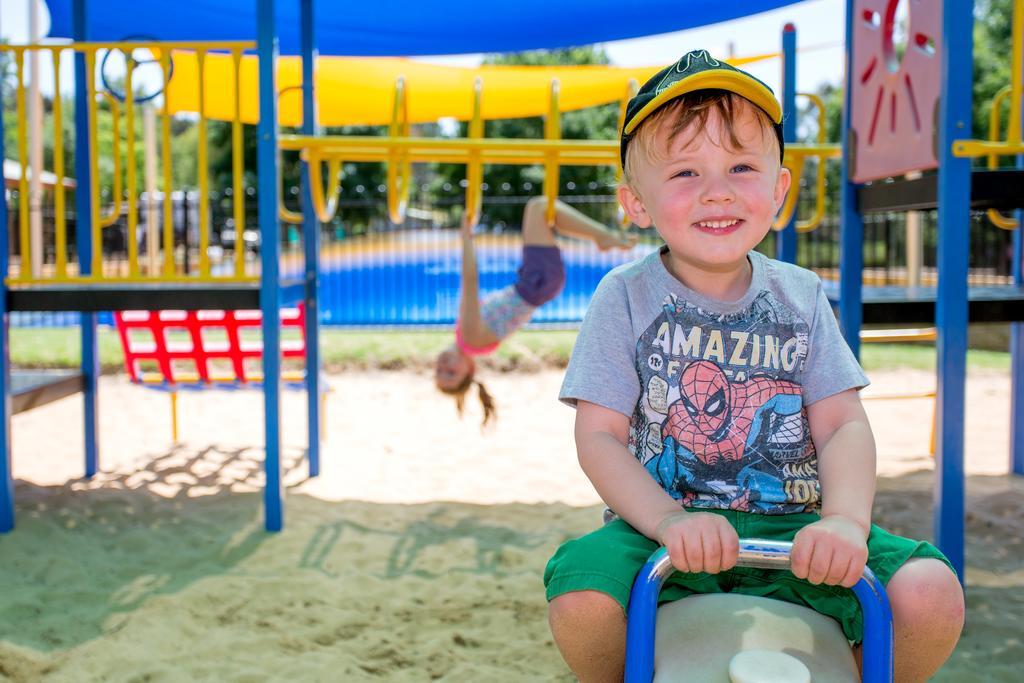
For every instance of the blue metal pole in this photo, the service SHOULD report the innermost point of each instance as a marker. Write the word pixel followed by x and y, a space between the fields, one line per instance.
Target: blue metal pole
pixel 879 638
pixel 785 244
pixel 83 238
pixel 270 257
pixel 6 472
pixel 954 190
pixel 851 228
pixel 311 242
pixel 1017 350
pixel 1017 356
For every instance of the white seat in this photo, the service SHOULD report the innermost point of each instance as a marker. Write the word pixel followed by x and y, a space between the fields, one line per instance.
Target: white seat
pixel 698 636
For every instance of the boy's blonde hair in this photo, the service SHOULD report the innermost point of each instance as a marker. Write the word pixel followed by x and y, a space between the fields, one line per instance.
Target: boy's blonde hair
pixel 684 112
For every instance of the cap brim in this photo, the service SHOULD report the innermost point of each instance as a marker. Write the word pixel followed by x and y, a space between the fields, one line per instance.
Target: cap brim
pixel 713 79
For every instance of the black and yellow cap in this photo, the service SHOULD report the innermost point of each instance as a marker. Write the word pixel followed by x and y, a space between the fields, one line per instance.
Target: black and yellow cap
pixel 696 70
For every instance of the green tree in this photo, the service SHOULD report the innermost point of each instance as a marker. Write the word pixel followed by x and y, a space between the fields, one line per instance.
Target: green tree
pixel 993 27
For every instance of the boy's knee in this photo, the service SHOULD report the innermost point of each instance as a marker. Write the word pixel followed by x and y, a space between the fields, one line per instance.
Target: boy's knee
pixel 579 607
pixel 926 590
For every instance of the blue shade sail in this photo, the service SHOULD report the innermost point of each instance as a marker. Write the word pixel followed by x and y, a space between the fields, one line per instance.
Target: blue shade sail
pixel 403 28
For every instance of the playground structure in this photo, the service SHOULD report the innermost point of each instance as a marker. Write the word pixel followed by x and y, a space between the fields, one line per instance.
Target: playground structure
pixel 88 286
pixel 896 90
pixel 159 280
pixel 954 190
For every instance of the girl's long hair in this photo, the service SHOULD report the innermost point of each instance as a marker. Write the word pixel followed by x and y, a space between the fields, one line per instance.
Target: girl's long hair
pixel 486 400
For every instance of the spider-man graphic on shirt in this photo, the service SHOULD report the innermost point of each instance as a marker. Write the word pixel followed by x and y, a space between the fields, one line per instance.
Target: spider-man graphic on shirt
pixel 723 424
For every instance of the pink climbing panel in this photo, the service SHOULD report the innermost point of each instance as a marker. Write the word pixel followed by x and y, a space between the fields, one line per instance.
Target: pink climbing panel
pixel 894 105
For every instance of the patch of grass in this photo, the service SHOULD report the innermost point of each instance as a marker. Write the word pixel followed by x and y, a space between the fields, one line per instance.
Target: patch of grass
pixel 392 350
pixel 923 357
pixel 342 349
pixel 61 347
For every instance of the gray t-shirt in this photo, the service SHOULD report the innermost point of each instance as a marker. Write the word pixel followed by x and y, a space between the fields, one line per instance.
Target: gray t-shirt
pixel 716 391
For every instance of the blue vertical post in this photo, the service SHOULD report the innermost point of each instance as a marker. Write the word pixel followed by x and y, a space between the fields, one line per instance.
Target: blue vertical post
pixel 954 194
pixel 6 473
pixel 83 239
pixel 270 262
pixel 1017 349
pixel 1017 355
pixel 311 242
pixel 785 239
pixel 851 228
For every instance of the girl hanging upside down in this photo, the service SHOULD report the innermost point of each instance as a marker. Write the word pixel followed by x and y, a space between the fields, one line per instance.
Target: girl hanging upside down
pixel 482 325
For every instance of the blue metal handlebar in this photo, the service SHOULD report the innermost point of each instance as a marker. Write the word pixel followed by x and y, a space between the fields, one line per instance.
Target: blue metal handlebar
pixel 877 661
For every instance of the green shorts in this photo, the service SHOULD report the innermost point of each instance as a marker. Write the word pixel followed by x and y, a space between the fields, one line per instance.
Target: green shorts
pixel 608 560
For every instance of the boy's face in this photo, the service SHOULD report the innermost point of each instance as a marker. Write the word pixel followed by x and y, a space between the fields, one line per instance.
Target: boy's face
pixel 710 201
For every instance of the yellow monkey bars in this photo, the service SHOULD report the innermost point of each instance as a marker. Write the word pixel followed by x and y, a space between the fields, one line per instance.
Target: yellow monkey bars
pixel 399 151
pixel 212 79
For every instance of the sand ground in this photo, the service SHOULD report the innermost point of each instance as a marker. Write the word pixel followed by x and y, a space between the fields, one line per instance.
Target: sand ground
pixel 416 555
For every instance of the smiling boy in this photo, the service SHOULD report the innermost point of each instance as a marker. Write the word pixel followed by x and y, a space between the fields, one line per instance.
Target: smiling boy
pixel 715 397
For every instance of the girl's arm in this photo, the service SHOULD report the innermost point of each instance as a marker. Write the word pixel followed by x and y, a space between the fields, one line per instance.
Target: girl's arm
pixel 473 330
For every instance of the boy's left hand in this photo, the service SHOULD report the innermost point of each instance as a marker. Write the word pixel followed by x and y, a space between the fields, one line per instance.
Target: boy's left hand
pixel 833 551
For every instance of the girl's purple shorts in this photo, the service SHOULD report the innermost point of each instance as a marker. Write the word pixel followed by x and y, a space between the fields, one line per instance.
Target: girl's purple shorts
pixel 542 275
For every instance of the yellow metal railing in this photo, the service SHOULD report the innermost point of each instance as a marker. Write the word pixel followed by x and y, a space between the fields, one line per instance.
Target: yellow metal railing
pixel 994 215
pixel 631 89
pixel 125 197
pixel 796 156
pixel 110 218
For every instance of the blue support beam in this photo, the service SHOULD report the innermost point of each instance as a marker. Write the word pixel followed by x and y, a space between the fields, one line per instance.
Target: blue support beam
pixel 1017 356
pixel 851 228
pixel 954 190
pixel 6 473
pixel 83 239
pixel 311 243
pixel 1017 350
pixel 785 244
pixel 270 260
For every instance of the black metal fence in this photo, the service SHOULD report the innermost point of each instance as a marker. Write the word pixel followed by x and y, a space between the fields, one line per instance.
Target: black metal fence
pixel 432 226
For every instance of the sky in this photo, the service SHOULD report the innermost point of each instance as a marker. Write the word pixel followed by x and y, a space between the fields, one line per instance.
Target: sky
pixel 819 23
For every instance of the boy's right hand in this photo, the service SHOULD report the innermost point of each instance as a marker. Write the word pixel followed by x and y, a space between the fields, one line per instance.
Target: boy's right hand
pixel 699 541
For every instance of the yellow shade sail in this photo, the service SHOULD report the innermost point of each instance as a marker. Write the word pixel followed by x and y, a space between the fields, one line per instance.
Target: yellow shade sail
pixel 360 91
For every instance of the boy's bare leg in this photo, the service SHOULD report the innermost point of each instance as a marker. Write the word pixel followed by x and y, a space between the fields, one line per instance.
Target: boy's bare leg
pixel 570 222
pixel 590 630
pixel 928 615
